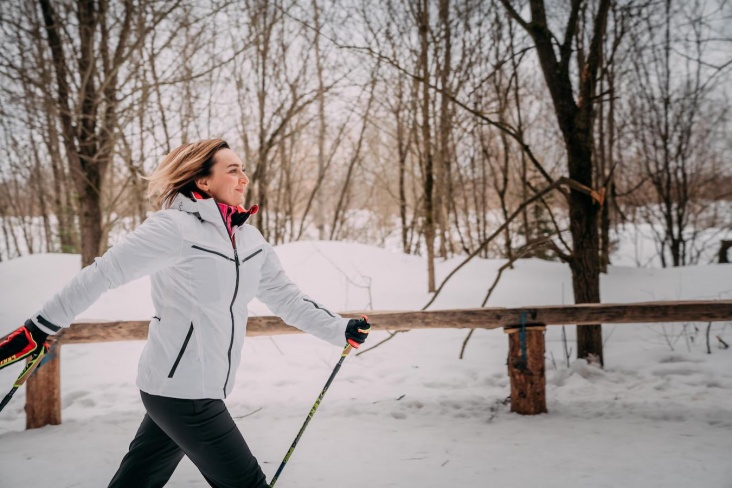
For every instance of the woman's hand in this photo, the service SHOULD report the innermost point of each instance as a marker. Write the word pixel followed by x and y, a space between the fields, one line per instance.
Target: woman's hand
pixel 23 342
pixel 357 331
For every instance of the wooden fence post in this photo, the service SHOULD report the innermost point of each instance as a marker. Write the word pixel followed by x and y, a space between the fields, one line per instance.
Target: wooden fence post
pixel 526 369
pixel 43 393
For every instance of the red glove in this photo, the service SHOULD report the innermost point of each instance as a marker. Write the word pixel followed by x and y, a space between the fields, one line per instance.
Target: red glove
pixel 23 342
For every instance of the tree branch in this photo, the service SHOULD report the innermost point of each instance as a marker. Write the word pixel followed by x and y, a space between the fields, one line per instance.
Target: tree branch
pixel 565 50
pixel 516 213
pixel 391 336
pixel 381 57
pixel 523 251
pixel 588 73
pixel 515 15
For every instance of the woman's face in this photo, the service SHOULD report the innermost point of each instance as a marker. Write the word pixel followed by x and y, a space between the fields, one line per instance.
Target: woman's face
pixel 227 182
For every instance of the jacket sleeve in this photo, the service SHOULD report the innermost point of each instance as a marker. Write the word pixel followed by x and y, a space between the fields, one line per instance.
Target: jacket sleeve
pixel 152 246
pixel 286 300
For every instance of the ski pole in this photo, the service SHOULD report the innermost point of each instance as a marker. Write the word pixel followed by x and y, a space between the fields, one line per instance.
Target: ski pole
pixel 30 367
pixel 346 351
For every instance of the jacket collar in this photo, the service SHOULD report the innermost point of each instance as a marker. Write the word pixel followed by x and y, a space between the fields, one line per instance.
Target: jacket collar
pixel 207 209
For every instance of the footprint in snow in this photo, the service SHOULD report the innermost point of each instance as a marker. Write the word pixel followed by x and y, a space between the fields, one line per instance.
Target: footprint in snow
pixel 78 397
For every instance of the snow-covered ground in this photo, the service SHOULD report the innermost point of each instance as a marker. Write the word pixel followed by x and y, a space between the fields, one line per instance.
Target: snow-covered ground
pixel 409 413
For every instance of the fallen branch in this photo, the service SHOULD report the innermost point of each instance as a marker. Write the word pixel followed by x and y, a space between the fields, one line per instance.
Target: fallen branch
pixel 391 336
pixel 249 414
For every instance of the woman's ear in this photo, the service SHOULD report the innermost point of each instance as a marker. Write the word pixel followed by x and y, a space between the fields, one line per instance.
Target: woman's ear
pixel 202 184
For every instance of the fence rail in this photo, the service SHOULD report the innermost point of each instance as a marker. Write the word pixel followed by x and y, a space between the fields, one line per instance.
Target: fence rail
pixel 43 399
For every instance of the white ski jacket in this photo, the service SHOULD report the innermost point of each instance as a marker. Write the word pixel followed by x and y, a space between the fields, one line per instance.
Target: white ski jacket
pixel 201 285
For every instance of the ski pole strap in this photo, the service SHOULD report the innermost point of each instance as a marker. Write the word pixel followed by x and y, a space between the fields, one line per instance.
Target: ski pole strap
pixel 51 353
pixel 522 339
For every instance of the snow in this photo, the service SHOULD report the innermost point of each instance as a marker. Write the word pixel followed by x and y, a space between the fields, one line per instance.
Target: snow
pixel 410 412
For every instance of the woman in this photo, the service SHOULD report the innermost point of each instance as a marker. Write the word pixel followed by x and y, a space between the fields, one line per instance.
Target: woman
pixel 205 266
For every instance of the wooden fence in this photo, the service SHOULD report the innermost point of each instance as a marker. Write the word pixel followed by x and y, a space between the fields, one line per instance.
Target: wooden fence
pixel 526 343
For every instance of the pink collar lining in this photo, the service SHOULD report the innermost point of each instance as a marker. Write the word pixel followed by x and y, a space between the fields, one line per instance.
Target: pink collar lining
pixel 233 215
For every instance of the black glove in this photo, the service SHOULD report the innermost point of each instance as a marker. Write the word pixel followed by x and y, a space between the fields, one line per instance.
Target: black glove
pixel 357 331
pixel 23 342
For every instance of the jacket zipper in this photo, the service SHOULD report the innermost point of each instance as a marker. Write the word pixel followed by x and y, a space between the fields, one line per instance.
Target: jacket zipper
pixel 231 308
pixel 233 299
pixel 182 350
pixel 231 311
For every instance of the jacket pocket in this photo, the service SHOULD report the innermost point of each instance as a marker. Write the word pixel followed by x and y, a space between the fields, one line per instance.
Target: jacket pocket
pixel 251 255
pixel 194 246
pixel 182 350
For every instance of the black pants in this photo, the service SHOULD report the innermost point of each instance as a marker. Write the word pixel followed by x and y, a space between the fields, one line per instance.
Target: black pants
pixel 203 430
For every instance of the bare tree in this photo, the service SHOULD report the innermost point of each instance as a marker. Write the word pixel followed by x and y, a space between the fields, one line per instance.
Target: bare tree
pixel 574 114
pixel 615 57
pixel 87 94
pixel 322 127
pixel 674 114
pixel 422 18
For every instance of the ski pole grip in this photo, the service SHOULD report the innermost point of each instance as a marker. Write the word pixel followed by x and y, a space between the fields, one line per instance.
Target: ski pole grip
pixel 353 343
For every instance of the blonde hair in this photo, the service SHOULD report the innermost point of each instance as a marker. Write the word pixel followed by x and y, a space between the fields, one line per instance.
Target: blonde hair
pixel 178 171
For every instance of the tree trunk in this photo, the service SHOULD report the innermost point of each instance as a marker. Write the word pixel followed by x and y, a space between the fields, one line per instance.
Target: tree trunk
pixel 585 263
pixel 320 200
pixel 575 122
pixel 442 168
pixel 606 216
pixel 62 197
pixel 429 220
pixel 402 151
